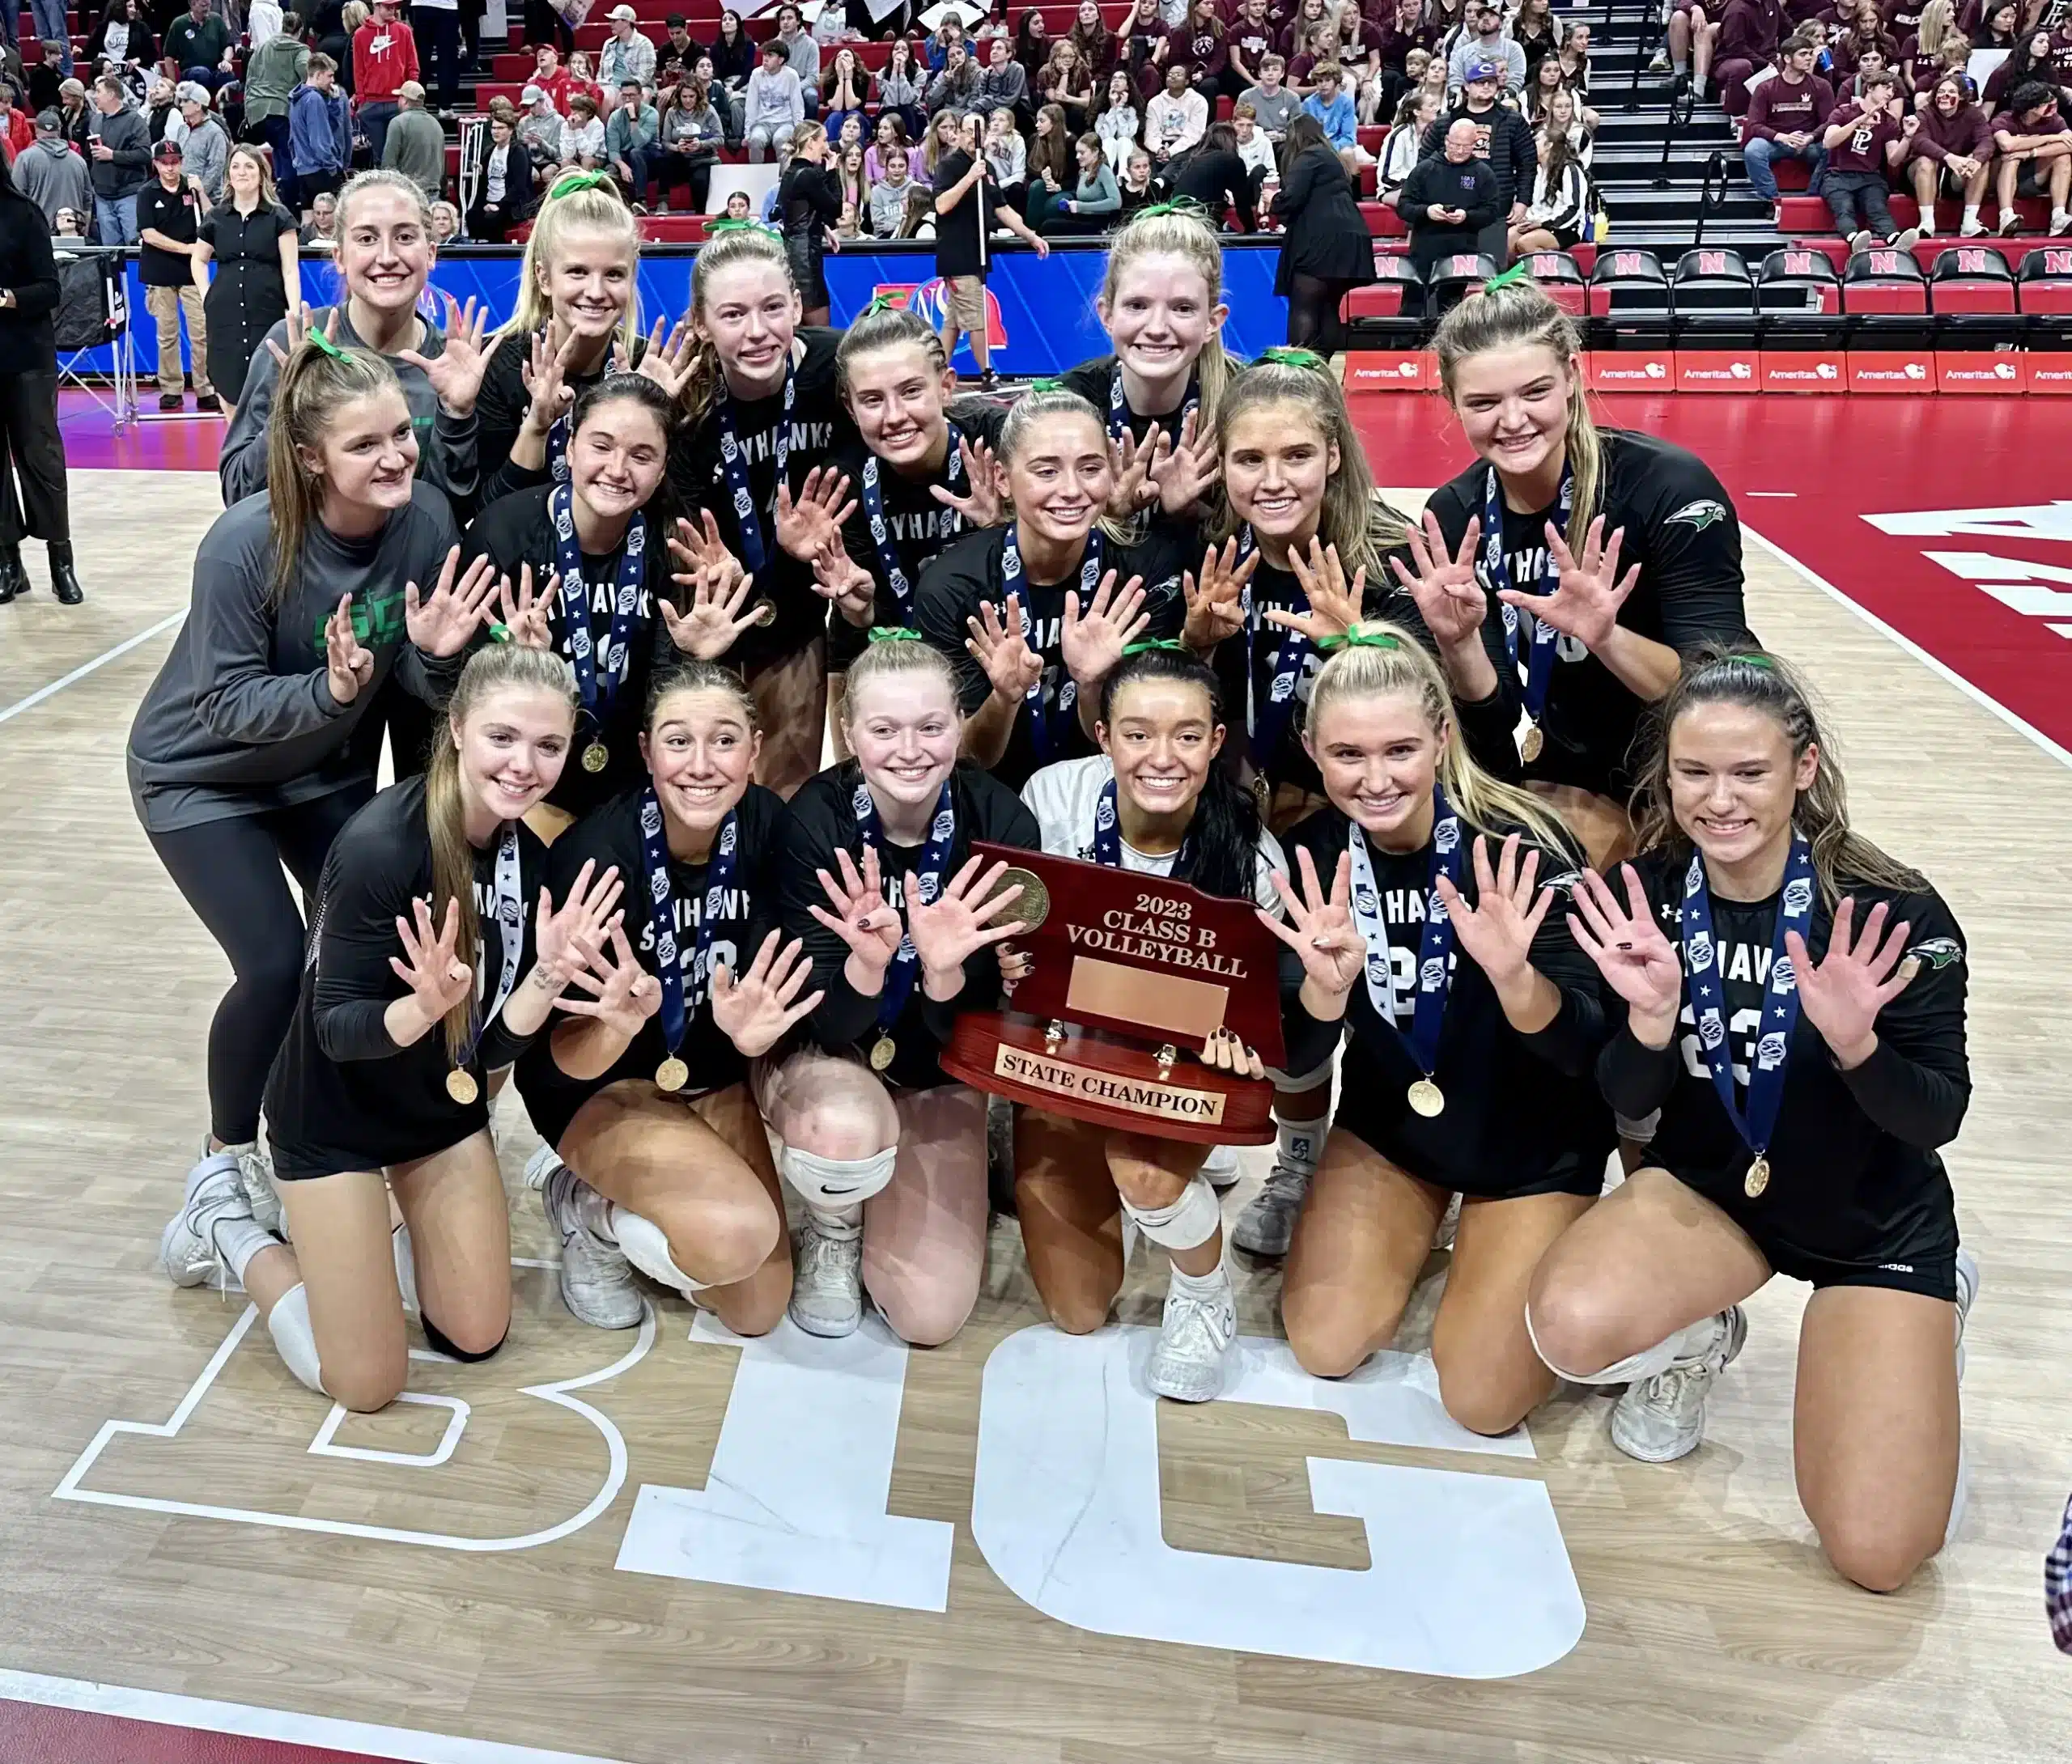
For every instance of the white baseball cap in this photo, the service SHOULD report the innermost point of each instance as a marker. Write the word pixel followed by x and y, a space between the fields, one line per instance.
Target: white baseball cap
pixel 624 12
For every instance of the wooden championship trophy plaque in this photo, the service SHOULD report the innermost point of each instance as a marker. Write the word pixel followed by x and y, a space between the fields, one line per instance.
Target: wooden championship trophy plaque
pixel 1133 973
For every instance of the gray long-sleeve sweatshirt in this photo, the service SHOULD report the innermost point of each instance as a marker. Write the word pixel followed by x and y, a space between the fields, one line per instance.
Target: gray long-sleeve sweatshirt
pixel 240 718
pixel 446 444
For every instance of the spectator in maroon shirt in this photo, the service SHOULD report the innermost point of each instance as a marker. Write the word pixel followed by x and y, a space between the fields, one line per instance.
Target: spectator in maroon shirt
pixel 1748 35
pixel 1787 114
pixel 1951 152
pixel 1864 141
pixel 2031 59
pixel 1198 46
pixel 2036 155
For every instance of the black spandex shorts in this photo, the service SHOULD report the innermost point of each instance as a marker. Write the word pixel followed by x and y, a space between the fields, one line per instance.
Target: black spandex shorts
pixel 1919 1257
pixel 1381 1131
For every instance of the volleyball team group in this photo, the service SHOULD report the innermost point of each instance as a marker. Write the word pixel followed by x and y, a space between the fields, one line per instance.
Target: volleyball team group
pixel 1559 856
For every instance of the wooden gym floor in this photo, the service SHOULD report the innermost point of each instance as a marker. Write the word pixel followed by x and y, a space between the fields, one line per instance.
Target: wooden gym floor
pixel 555 1555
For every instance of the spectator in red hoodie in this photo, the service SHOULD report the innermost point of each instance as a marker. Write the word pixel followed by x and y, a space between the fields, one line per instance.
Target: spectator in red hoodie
pixel 551 77
pixel 385 56
pixel 1787 114
pixel 1951 153
pixel 1865 139
pixel 1748 35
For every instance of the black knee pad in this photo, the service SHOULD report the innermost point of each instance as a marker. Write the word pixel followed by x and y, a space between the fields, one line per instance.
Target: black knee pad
pixel 439 1344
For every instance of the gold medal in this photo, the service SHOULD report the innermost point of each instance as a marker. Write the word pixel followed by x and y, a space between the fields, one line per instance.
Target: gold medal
pixel 595 758
pixel 1033 906
pixel 1427 1098
pixel 765 613
pixel 461 1086
pixel 672 1074
pixel 882 1053
pixel 1759 1178
pixel 1535 739
pixel 1262 794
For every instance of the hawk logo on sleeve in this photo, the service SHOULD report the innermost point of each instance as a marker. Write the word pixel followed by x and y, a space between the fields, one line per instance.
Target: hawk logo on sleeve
pixel 1936 952
pixel 1699 515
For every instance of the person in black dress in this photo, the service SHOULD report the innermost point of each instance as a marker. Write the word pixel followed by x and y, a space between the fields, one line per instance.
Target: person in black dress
pixel 250 241
pixel 1213 175
pixel 1327 249
pixel 32 448
pixel 808 203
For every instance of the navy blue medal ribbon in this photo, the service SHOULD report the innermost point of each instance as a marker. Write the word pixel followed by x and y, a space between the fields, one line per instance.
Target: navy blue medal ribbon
pixel 734 463
pixel 925 884
pixel 1706 990
pixel 598 675
pixel 1108 836
pixel 881 530
pixel 1539 664
pixel 672 1074
pixel 1118 409
pixel 1042 731
pixel 1266 724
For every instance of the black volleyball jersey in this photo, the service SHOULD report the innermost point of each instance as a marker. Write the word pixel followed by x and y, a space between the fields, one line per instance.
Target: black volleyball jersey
pixel 821 821
pixel 1681 529
pixel 1094 381
pixel 515 531
pixel 1854 1156
pixel 748 913
pixel 501 409
pixel 1520 1110
pixel 918 527
pixel 970 573
pixel 698 481
pixel 341 1095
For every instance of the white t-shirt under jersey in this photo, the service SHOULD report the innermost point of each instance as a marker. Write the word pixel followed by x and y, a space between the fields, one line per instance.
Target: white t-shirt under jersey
pixel 1064 797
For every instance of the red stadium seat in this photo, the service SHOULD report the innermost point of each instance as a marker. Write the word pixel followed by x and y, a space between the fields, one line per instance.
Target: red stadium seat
pixel 1557 273
pixel 673 229
pixel 2044 281
pixel 1884 281
pixel 1971 278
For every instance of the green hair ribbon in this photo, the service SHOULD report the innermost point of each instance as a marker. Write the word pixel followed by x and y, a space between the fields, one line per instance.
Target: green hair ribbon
pixel 1510 278
pixel 1282 356
pixel 1148 643
pixel 1045 385
pixel 1179 205
pixel 315 335
pixel 731 226
pixel 1361 640
pixel 895 633
pixel 1761 663
pixel 880 303
pixel 500 633
pixel 570 182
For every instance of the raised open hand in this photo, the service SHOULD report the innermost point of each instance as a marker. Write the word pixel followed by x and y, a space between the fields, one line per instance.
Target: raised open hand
pixel 567 939
pixel 672 352
pixel 1185 472
pixel 1587 595
pixel 806 525
pixel 1334 603
pixel 1215 602
pixel 838 577
pixel 700 547
pixel 348 663
pixel 981 506
pixel 623 995
pixel 527 621
pixel 1447 597
pixel 960 921
pixel 456 373
pixel 1319 926
pixel 1497 931
pixel 714 620
pixel 1636 961
pixel 999 642
pixel 1093 640
pixel 861 917
pixel 442 623
pixel 430 966
pixel 756 1010
pixel 545 372
pixel 1130 464
pixel 300 323
pixel 1861 974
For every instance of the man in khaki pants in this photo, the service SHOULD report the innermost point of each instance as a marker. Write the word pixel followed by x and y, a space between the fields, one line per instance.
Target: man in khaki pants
pixel 168 218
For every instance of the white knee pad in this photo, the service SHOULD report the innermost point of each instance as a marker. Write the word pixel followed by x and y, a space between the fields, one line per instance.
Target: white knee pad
pixel 647 1249
pixel 293 1335
pixel 836 1184
pixel 1649 1363
pixel 406 1260
pixel 1189 1222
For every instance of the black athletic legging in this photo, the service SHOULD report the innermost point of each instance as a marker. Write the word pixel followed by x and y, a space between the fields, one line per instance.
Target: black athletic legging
pixel 1313 304
pixel 230 872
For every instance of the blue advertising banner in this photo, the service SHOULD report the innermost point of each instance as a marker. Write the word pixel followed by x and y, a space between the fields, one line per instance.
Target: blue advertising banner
pixel 1040 313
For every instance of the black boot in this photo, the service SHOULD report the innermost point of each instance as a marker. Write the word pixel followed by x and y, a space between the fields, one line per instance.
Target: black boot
pixel 64 583
pixel 12 581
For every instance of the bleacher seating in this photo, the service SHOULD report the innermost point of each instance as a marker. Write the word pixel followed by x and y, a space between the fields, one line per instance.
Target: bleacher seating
pixel 1884 283
pixel 1970 279
pixel 1795 279
pixel 1626 279
pixel 1562 277
pixel 2043 285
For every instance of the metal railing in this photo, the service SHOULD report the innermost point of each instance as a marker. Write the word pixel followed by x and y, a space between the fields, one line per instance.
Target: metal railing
pixel 1710 200
pixel 1681 107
